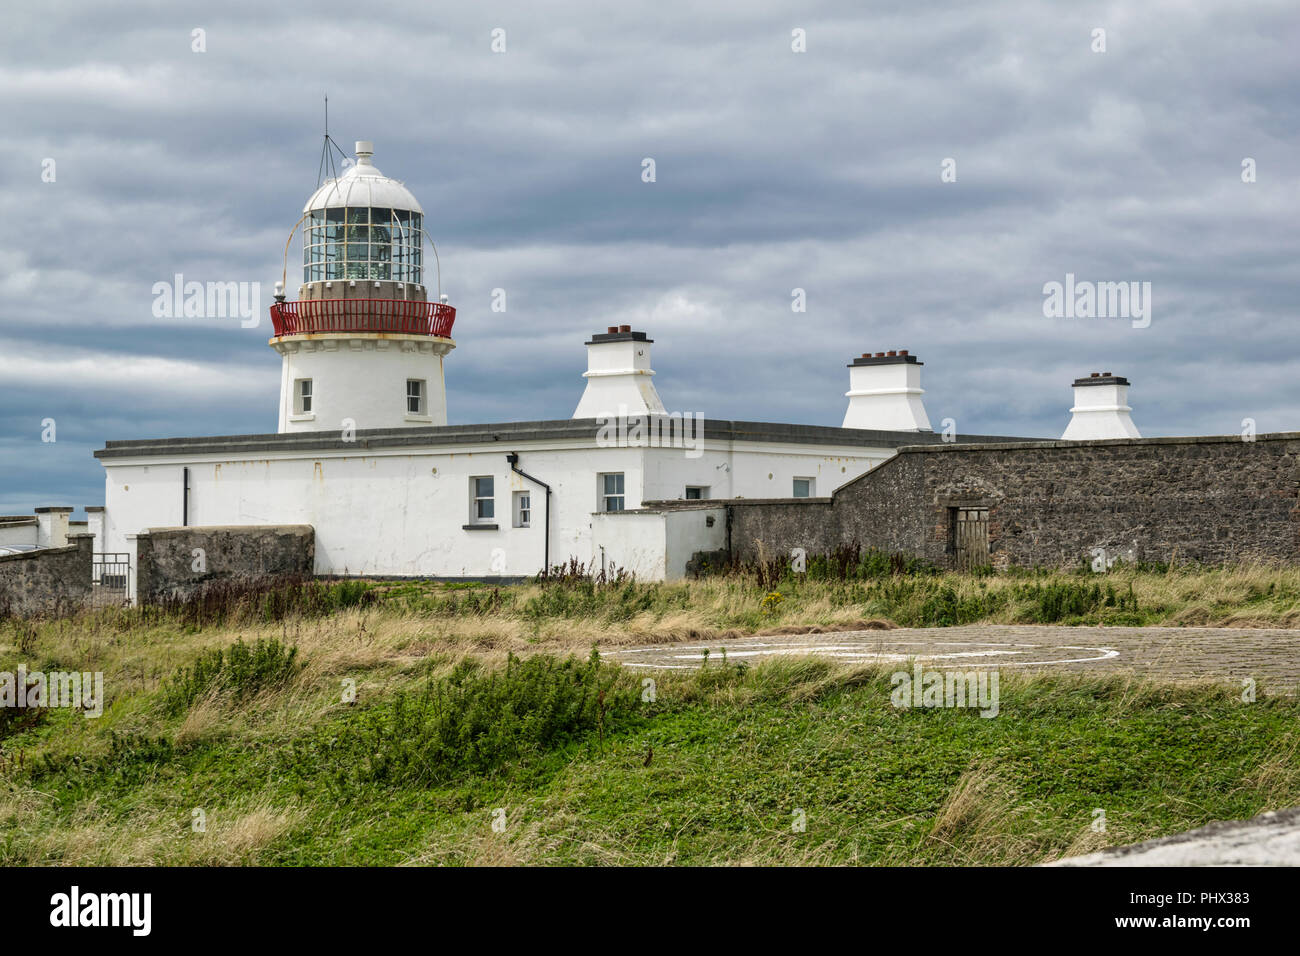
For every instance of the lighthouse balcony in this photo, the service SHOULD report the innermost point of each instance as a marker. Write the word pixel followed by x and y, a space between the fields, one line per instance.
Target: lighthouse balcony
pixel 393 316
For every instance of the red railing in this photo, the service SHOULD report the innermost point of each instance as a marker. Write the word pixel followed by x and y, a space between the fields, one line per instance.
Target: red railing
pixel 400 316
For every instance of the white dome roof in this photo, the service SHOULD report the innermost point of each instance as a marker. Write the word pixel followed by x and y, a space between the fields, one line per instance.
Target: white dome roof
pixel 363 185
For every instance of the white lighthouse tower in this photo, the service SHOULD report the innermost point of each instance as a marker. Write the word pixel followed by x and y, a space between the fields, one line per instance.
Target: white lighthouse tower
pixel 362 346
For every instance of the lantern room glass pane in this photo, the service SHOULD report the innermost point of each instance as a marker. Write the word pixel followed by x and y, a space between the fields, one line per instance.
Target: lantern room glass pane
pixel 358 242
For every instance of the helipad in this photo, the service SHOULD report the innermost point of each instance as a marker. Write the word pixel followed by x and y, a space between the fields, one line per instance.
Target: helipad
pixel 1270 656
pixel 845 648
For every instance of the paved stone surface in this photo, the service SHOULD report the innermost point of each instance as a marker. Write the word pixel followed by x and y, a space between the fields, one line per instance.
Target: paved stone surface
pixel 1269 655
pixel 1270 839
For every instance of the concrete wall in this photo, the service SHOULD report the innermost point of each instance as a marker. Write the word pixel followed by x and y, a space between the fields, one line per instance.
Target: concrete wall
pixel 52 580
pixel 167 567
pixel 1213 499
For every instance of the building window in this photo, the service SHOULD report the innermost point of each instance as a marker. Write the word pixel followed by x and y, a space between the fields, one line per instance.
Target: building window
pixel 483 506
pixel 803 487
pixel 611 492
pixel 302 397
pixel 523 509
pixel 696 492
pixel 415 396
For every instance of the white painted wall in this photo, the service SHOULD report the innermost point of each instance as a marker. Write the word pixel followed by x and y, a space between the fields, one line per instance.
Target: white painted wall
pixel 52 528
pixel 95 526
pixel 654 544
pixel 633 541
pixel 18 534
pixel 756 470
pixel 362 378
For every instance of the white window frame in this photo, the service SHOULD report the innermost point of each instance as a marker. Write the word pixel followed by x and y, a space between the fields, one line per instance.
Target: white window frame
pixel 523 509
pixel 812 487
pixel 604 497
pixel 702 496
pixel 302 396
pixel 475 498
pixel 421 396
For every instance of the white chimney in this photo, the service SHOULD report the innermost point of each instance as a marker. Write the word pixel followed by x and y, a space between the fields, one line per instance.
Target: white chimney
pixel 52 527
pixel 885 393
pixel 619 376
pixel 95 524
pixel 1100 409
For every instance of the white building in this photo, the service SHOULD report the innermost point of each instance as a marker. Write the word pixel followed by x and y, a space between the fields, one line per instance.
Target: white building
pixel 364 455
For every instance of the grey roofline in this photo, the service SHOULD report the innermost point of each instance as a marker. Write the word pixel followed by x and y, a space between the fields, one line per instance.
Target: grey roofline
pixel 507 432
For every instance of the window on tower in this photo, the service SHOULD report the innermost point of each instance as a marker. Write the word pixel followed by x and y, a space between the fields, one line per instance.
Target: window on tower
pixel 415 396
pixel 360 242
pixel 302 396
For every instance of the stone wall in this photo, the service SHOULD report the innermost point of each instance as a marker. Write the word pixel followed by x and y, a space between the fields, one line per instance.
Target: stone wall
pixel 167 567
pixel 1213 500
pixel 51 580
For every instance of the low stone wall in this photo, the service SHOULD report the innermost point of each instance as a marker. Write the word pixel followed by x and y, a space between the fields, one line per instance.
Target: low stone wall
pixel 179 563
pixel 48 581
pixel 1213 500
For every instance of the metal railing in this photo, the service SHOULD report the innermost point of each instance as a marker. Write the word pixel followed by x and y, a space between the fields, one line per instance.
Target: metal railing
pixel 110 574
pixel 399 316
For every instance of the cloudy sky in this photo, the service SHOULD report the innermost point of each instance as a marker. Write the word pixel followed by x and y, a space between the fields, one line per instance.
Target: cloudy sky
pixel 775 170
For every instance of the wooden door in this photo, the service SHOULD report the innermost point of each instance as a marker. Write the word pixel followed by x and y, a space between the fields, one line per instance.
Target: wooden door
pixel 972 538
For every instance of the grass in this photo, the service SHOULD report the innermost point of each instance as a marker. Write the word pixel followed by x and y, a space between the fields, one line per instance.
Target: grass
pixel 394 723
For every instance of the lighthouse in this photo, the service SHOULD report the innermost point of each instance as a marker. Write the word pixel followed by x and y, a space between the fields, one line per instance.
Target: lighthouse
pixel 363 344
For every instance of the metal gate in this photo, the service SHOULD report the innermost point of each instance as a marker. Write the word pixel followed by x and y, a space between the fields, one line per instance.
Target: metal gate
pixel 971 537
pixel 109 576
